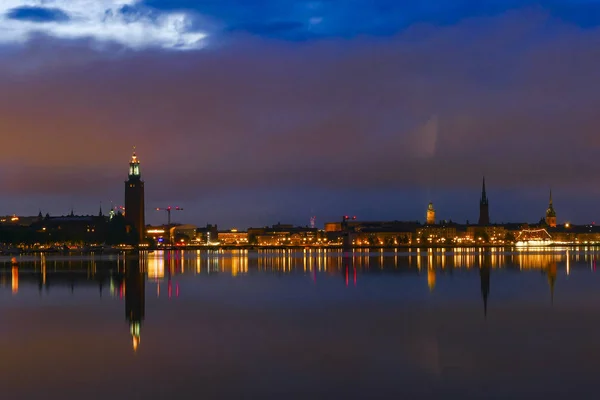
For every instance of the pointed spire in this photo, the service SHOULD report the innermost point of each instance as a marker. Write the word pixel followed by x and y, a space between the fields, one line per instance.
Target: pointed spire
pixel 483 193
pixel 100 213
pixel 550 197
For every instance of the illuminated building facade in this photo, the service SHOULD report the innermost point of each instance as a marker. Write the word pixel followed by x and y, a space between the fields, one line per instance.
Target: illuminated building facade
pixel 207 235
pixel 484 207
pixel 551 214
pixel 284 235
pixel 134 199
pixel 233 237
pixel 430 214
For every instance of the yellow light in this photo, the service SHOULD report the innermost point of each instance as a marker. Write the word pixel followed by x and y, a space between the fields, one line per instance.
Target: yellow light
pixel 567 225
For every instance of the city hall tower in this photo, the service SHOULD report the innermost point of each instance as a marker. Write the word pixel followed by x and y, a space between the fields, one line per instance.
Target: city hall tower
pixel 134 198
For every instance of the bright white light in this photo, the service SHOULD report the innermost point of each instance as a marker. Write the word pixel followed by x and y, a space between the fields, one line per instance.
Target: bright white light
pixel 103 21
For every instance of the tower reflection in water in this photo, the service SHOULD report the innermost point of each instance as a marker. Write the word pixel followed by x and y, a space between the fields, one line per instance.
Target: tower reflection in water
pixel 484 275
pixel 135 298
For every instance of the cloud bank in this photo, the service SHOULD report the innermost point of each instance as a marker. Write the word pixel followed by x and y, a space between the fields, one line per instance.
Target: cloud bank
pixel 125 22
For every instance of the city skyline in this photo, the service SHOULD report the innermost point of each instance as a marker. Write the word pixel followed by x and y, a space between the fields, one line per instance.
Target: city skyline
pixel 430 216
pixel 283 112
pixel 134 195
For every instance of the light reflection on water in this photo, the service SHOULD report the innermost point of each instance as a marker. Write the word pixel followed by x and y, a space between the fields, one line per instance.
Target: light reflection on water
pixel 421 323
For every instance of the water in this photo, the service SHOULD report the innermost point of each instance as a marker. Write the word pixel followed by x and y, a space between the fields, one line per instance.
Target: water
pixel 295 324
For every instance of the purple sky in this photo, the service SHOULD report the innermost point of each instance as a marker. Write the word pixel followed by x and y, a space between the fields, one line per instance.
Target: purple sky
pixel 255 128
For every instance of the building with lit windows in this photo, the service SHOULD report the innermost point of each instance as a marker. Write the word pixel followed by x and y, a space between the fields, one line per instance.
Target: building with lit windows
pixel 233 237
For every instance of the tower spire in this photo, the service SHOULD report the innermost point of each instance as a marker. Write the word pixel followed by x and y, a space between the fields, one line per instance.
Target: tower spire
pixel 134 166
pixel 483 193
pixel 551 213
pixel 484 212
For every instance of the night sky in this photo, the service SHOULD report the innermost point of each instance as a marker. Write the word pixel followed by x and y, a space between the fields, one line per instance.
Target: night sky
pixel 248 113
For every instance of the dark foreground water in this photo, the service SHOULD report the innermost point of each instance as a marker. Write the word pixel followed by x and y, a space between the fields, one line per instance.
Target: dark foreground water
pixel 301 325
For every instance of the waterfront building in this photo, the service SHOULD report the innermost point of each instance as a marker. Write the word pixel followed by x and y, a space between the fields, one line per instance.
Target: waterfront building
pixel 134 199
pixel 488 233
pixel 233 237
pixel 284 235
pixel 72 229
pixel 484 208
pixel 430 214
pixel 181 233
pixel 436 234
pixel 207 235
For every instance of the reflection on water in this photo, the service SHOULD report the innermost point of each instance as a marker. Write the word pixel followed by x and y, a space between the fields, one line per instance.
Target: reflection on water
pixel 278 307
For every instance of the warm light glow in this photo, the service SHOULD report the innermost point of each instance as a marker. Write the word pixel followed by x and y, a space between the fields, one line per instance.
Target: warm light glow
pixel 156 265
pixel 15 280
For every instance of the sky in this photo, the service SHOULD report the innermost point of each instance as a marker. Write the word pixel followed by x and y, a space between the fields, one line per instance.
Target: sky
pixel 253 113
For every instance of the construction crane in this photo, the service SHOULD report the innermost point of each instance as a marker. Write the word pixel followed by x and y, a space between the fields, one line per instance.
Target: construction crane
pixel 168 210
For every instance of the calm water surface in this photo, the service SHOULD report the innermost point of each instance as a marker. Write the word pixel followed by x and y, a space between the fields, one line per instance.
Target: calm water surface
pixel 295 324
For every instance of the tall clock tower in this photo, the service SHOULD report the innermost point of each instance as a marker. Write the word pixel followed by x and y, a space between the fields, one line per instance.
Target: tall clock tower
pixel 134 198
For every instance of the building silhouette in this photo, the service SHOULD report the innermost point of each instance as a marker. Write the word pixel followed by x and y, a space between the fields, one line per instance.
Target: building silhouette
pixel 134 198
pixel 551 214
pixel 135 300
pixel 430 214
pixel 484 210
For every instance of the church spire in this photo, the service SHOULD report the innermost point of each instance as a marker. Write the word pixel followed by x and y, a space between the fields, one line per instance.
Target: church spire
pixel 484 199
pixel 551 213
pixel 484 211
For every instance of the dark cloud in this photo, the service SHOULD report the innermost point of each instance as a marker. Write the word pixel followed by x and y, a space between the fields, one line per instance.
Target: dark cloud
pixel 38 14
pixel 265 127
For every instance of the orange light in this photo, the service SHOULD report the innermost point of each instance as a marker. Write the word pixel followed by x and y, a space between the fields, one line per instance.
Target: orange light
pixel 15 280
